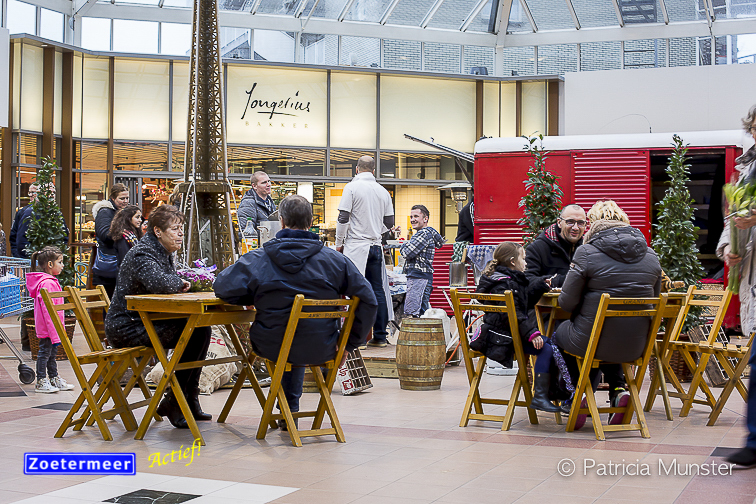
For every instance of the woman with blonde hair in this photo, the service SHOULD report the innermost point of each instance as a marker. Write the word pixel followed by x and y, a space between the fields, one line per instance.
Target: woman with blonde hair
pixel 607 210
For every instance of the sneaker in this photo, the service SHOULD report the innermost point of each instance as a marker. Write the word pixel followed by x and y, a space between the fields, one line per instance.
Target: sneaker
pixel 61 384
pixel 618 399
pixel 45 387
pixel 376 343
pixel 744 458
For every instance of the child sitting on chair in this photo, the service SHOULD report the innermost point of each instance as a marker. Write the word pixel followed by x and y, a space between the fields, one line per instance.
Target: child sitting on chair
pixel 50 261
pixel 505 273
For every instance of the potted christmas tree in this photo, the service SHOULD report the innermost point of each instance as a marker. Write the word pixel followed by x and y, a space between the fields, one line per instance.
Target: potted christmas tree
pixel 675 240
pixel 543 200
pixel 47 228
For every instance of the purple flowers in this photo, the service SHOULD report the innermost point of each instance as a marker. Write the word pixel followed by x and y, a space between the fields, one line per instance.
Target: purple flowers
pixel 201 276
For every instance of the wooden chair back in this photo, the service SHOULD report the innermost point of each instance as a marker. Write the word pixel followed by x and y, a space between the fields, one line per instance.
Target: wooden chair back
pixel 109 366
pixel 303 308
pixel 609 307
pixel 491 303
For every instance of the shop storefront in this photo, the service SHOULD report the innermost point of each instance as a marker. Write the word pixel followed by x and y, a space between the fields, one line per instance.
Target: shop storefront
pixel 107 118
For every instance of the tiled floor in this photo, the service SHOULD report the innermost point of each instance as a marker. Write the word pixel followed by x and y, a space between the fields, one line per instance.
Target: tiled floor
pixel 402 447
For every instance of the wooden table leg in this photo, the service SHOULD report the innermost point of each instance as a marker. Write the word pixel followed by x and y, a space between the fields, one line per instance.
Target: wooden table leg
pixel 169 376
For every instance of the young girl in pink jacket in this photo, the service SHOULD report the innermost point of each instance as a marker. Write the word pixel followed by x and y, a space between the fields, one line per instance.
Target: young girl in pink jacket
pixel 46 265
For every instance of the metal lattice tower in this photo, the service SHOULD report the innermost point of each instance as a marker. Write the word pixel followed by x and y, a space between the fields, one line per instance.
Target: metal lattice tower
pixel 206 189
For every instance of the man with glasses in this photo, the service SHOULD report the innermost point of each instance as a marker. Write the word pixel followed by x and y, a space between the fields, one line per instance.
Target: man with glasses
pixel 257 205
pixel 550 254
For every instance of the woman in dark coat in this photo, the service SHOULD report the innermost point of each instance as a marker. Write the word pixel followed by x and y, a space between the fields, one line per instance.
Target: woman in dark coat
pixel 615 259
pixel 103 213
pixel 148 268
pixel 125 230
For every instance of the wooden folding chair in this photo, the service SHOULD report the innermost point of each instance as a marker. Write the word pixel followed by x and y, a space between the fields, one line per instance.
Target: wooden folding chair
pixel 96 300
pixel 734 370
pixel 462 302
pixel 715 301
pixel 340 309
pixel 629 307
pixel 675 314
pixel 109 365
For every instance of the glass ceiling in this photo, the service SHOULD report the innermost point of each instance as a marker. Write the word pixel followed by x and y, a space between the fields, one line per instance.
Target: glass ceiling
pixel 465 22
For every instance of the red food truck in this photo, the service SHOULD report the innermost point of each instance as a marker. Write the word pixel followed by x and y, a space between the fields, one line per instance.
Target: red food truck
pixel 629 169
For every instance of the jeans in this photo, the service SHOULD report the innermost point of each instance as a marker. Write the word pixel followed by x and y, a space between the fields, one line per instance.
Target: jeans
pixel 751 411
pixel 292 382
pixel 373 274
pixel 543 361
pixel 425 305
pixel 46 358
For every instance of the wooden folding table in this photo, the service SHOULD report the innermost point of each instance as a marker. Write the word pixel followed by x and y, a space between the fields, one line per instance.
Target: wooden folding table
pixel 201 309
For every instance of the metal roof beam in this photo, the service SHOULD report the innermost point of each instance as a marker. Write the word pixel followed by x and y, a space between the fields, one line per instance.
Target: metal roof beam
pixel 575 19
pixel 529 15
pixel 665 13
pixel 472 15
pixel 431 13
pixel 618 11
pixel 345 10
pixel 389 11
pixel 502 21
pixel 80 7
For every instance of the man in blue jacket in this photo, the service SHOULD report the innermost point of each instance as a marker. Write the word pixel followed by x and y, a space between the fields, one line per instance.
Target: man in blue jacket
pixel 296 262
pixel 21 222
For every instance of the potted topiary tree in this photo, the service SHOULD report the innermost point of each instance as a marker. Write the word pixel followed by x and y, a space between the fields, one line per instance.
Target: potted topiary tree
pixel 48 228
pixel 543 200
pixel 675 239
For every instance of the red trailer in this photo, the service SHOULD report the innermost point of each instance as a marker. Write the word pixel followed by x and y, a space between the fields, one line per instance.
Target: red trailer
pixel 626 168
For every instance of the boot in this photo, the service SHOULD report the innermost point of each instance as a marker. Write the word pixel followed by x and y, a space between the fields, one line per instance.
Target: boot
pixel 541 394
pixel 194 405
pixel 169 407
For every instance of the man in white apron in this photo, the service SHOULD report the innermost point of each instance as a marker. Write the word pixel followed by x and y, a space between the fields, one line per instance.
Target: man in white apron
pixel 365 213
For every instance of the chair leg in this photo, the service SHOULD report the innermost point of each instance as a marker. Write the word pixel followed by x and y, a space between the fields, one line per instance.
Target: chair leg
pixel 731 384
pixel 325 397
pixel 473 393
pixel 696 383
pixel 635 404
pixel 275 387
pixel 507 423
pixel 598 429
pixel 286 412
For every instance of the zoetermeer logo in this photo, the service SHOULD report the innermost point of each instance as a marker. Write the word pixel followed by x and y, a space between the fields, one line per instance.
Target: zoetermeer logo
pixel 80 463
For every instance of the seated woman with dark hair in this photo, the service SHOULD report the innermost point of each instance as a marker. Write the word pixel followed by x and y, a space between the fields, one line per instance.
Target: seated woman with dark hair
pixel 125 230
pixel 148 268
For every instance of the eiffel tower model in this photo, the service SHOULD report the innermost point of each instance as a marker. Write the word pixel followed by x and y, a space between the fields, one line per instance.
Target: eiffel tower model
pixel 206 190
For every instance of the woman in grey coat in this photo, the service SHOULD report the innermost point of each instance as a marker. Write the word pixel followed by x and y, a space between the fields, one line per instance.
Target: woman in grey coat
pixel 148 268
pixel 615 259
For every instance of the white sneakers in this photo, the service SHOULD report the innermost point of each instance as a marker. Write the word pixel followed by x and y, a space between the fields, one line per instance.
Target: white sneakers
pixel 47 386
pixel 61 384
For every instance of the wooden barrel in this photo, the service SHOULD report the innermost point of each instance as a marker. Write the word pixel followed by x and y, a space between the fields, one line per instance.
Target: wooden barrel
pixel 420 353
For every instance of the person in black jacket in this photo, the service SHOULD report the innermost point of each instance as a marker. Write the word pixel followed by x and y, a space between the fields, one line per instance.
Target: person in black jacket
pixel 103 213
pixel 466 225
pixel 615 260
pixel 21 222
pixel 296 262
pixel 550 254
pixel 148 268
pixel 125 230
pixel 505 273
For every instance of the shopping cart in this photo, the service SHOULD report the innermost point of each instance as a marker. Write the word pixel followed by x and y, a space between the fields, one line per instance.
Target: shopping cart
pixel 14 300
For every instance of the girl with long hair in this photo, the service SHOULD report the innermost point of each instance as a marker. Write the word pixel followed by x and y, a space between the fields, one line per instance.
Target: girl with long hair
pixel 125 230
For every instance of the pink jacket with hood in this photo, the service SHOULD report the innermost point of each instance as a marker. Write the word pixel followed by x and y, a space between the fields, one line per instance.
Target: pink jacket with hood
pixel 35 282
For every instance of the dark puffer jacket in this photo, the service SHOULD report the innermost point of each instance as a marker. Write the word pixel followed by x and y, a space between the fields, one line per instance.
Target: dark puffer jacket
pixel 550 254
pixel 526 294
pixel 147 269
pixel 295 262
pixel 619 262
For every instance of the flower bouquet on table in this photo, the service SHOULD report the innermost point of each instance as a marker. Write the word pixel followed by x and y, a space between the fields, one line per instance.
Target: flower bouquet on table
pixel 742 200
pixel 200 276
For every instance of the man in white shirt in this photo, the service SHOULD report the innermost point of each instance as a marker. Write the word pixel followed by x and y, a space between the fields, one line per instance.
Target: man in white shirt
pixel 365 213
